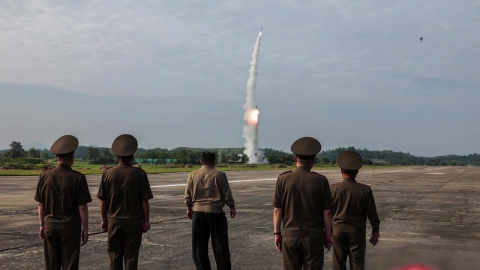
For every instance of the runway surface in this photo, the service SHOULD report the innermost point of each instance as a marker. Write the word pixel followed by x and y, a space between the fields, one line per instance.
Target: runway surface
pixel 429 215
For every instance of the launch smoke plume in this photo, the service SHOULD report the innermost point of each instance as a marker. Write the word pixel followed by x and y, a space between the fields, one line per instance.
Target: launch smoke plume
pixel 250 130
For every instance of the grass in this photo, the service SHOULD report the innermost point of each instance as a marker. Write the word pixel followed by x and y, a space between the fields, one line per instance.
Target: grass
pixel 88 169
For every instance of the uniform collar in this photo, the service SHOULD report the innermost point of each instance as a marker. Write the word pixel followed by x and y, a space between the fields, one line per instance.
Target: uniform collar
pixel 63 166
pixel 121 164
pixel 349 180
pixel 208 167
pixel 302 168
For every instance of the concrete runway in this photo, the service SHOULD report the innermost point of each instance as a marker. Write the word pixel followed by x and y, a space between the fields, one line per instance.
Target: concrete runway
pixel 429 214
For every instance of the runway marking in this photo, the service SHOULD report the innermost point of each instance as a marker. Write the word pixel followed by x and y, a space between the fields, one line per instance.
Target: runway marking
pixel 435 173
pixel 230 181
pixel 253 180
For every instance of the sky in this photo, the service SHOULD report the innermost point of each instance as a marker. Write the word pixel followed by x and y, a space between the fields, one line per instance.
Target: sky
pixel 174 73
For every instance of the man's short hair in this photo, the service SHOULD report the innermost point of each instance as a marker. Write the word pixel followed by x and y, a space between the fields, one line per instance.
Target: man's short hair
pixel 302 157
pixel 207 157
pixel 126 157
pixel 351 172
pixel 304 160
pixel 65 157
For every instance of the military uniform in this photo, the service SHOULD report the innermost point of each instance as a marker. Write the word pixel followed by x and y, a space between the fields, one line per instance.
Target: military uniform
pixel 124 188
pixel 61 191
pixel 207 192
pixel 302 196
pixel 353 203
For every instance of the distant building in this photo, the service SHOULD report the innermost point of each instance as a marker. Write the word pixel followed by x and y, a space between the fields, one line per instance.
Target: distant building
pixel 376 161
pixel 155 161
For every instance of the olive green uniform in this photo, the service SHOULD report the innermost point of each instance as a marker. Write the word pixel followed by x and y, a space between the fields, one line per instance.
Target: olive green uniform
pixel 303 196
pixel 124 188
pixel 62 191
pixel 353 203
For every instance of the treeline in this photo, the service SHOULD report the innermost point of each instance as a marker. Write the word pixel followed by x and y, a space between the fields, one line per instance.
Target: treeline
pixel 16 151
pixel 103 155
pixel 181 155
pixel 401 158
pixel 185 155
pixel 384 157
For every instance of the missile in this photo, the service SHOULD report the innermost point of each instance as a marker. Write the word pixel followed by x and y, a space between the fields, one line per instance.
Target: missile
pixel 261 30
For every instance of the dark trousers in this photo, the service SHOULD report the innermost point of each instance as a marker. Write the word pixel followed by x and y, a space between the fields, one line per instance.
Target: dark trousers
pixel 214 224
pixel 351 245
pixel 62 248
pixel 124 242
pixel 302 252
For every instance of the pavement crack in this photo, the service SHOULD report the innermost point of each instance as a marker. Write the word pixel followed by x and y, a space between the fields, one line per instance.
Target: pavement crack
pixel 422 197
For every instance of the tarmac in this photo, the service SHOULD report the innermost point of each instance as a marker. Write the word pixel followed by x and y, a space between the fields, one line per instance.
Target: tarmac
pixel 429 215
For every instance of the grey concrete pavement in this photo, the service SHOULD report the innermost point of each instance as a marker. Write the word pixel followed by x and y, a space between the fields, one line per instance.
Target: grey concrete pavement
pixel 429 214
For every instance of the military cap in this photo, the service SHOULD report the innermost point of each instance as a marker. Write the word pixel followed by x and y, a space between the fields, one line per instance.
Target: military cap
pixel 349 160
pixel 306 146
pixel 64 145
pixel 124 145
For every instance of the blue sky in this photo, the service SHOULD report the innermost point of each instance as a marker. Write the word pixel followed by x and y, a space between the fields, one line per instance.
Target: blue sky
pixel 174 73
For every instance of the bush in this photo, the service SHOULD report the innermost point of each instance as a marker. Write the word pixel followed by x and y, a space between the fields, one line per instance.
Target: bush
pixel 45 167
pixel 15 166
pixel 173 166
pixel 279 166
pixel 20 161
pixel 249 166
pixel 221 165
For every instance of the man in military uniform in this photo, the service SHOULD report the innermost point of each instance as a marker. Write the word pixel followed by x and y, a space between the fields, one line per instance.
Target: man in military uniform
pixel 206 194
pixel 62 195
pixel 124 193
pixel 303 203
pixel 353 203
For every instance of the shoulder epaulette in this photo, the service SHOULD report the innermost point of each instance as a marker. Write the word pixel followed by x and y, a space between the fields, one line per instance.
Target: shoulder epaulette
pixel 108 167
pixel 286 172
pixel 334 184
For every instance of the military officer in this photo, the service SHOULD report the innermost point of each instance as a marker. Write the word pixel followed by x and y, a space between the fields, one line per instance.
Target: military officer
pixel 303 203
pixel 62 195
pixel 353 203
pixel 124 193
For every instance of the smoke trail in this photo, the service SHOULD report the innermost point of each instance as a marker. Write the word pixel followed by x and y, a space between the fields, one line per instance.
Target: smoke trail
pixel 250 130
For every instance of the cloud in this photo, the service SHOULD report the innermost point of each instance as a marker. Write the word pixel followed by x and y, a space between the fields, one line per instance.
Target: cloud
pixel 317 58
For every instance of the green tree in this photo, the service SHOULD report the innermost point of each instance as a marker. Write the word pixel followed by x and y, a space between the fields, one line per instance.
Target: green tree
pixel 244 158
pixel 107 155
pixel 16 150
pixel 34 153
pixel 45 156
pixel 222 158
pixel 93 154
pixel 162 156
pixel 367 161
pixel 325 160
